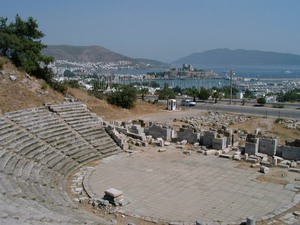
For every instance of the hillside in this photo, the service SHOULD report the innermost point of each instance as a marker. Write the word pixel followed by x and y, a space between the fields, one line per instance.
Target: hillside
pixel 83 53
pixel 93 54
pixel 28 92
pixel 24 92
pixel 239 57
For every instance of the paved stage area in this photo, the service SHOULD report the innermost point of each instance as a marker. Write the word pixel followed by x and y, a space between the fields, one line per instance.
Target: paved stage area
pixel 175 187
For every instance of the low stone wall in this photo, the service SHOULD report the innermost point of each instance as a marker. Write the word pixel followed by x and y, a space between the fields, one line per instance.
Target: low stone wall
pixel 219 143
pixel 267 146
pixel 157 131
pixel 114 134
pixel 251 148
pixel 207 138
pixel 289 152
pixel 188 134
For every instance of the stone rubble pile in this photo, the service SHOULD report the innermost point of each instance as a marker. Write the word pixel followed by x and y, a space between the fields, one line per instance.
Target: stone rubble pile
pixel 214 120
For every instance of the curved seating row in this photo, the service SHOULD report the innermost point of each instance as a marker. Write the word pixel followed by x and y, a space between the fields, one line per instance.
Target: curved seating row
pixel 39 149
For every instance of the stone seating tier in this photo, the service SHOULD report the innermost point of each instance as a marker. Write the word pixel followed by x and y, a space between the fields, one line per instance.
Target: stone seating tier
pixel 39 149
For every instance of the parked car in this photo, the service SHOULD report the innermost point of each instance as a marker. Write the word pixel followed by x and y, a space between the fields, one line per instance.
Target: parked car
pixel 187 102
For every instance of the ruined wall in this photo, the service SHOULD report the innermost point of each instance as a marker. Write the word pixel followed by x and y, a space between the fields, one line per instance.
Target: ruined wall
pixel 114 134
pixel 251 148
pixel 157 131
pixel 219 143
pixel 290 152
pixel 207 138
pixel 267 146
pixel 136 129
pixel 188 134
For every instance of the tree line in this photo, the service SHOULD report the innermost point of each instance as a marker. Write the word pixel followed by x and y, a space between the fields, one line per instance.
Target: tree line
pixel 20 42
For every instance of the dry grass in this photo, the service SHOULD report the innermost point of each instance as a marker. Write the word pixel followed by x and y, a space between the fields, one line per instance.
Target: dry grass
pixel 24 92
pixel 109 112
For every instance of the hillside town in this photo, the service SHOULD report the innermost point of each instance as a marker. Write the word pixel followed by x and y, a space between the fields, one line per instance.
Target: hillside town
pixel 126 72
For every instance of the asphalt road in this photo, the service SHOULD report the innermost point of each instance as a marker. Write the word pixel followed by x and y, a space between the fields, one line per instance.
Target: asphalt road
pixel 251 110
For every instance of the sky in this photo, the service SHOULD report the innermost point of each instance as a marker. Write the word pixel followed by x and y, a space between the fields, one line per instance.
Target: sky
pixel 165 30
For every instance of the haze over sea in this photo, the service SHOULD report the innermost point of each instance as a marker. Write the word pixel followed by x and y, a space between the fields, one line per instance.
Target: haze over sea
pixel 255 71
pixel 270 73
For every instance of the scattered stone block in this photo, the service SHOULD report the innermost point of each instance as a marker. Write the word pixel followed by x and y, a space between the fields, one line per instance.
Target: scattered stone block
pixel 293 164
pixel 210 152
pixel 187 152
pixel 266 163
pixel 283 166
pixel 112 192
pixel 226 150
pixel 162 150
pixel 250 220
pixel 200 222
pixel 261 155
pixel 218 152
pixel 12 78
pixel 254 165
pixel 264 169
pixel 294 170
pixel 183 142
pixel 161 142
pixel 225 156
pixel 167 143
pixel 236 157
pixel 251 160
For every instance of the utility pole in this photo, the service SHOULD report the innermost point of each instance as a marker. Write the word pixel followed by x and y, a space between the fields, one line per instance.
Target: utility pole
pixel 231 75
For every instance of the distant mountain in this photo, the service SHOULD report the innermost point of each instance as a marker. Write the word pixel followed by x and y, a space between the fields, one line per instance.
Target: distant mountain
pixel 239 57
pixel 83 53
pixel 92 54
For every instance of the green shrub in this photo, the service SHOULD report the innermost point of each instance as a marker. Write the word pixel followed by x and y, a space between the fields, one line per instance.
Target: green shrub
pixel 278 105
pixel 261 101
pixel 59 86
pixel 124 98
pixel 44 86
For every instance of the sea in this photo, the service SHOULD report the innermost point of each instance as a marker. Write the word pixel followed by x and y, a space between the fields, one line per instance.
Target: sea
pixel 271 74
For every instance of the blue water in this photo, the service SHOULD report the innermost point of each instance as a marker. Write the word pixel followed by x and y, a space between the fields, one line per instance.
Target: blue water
pixel 259 72
pixel 280 71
